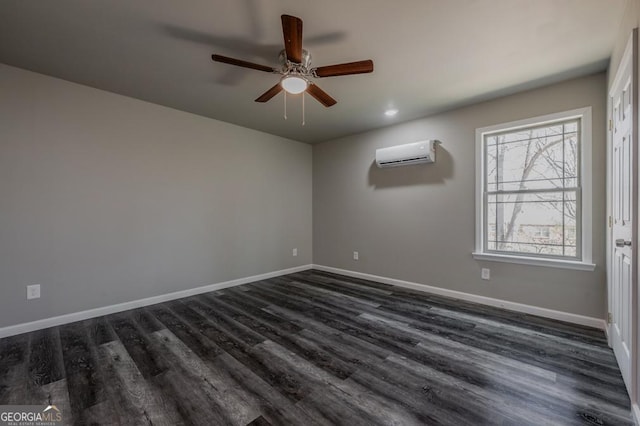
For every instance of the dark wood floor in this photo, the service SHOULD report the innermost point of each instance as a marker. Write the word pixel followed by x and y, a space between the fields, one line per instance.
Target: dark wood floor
pixel 317 348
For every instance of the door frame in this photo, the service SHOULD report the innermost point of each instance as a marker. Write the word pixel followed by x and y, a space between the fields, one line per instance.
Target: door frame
pixel 630 55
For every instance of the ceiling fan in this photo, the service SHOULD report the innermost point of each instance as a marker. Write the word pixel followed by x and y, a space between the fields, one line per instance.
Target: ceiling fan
pixel 296 70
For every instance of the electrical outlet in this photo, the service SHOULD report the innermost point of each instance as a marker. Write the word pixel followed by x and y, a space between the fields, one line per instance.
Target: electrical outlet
pixel 356 256
pixel 486 274
pixel 33 291
pixel 295 251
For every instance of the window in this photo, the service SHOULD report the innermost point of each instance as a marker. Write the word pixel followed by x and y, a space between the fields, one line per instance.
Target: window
pixel 533 204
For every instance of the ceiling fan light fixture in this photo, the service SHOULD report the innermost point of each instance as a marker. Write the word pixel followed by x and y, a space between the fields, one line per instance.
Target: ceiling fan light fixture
pixel 295 67
pixel 294 84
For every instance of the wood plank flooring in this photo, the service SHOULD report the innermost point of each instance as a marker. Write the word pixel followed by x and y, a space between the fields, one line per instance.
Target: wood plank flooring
pixel 315 348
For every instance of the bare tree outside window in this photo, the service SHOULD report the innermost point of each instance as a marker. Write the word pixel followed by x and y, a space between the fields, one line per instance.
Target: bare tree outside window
pixel 532 190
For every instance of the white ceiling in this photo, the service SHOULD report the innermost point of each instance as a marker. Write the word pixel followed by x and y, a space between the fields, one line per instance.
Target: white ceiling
pixel 429 55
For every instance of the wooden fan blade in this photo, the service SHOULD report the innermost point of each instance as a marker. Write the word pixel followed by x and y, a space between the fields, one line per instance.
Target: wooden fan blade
pixel 320 95
pixel 292 31
pixel 241 63
pixel 270 93
pixel 359 67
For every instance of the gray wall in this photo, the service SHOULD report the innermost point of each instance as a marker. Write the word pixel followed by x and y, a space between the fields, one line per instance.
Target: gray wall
pixel 107 199
pixel 417 223
pixel 631 20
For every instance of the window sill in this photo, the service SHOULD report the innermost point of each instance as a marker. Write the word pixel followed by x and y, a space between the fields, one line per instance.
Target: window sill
pixel 535 261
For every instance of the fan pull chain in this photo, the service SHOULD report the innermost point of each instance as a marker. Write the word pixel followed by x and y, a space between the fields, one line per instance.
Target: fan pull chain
pixel 285 104
pixel 303 108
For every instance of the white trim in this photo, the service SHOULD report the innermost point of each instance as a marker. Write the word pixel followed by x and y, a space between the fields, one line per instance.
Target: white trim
pixel 609 207
pixel 635 412
pixel 535 261
pixel 505 304
pixel 106 310
pixel 479 192
pixel 585 180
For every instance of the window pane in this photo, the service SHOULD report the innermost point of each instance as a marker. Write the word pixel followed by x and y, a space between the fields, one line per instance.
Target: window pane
pixel 571 126
pixel 491 157
pixel 532 223
pixel 534 158
pixel 571 161
pixel 570 230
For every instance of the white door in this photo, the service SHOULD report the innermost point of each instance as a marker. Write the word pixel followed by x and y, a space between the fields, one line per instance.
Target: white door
pixel 622 274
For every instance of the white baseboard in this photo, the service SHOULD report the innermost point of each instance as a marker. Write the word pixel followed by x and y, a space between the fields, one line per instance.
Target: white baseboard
pixel 106 310
pixel 513 306
pixel 505 304
pixel 635 412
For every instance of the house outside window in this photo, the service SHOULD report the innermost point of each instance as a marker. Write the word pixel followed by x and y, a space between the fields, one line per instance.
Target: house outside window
pixel 533 204
pixel 537 232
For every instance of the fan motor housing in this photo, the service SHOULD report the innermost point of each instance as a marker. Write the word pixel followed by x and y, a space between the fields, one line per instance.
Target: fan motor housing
pixel 306 58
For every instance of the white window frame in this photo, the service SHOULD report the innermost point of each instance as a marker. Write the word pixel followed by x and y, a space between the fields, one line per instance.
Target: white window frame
pixel 586 206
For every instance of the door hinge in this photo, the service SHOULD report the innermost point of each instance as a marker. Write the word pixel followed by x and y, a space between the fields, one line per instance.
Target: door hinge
pixel 610 125
pixel 609 318
pixel 610 221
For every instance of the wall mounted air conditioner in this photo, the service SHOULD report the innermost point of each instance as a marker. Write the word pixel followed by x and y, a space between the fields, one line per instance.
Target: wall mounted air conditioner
pixel 411 153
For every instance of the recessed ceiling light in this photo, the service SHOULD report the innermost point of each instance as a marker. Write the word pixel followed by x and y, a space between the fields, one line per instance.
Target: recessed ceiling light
pixel 390 112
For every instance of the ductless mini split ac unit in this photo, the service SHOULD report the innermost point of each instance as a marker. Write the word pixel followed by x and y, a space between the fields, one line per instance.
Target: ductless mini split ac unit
pixel 404 155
